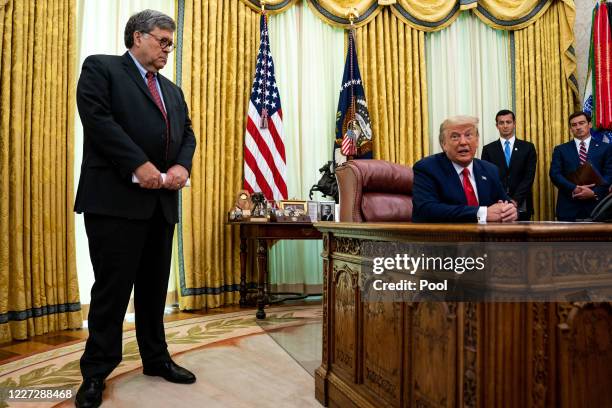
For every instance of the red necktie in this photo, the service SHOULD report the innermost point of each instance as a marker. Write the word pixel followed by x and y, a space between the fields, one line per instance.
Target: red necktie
pixel 470 195
pixel 157 98
pixel 583 153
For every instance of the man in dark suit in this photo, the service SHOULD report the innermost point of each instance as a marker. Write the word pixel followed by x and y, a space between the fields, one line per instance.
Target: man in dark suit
pixel 137 151
pixel 576 202
pixel 516 160
pixel 453 186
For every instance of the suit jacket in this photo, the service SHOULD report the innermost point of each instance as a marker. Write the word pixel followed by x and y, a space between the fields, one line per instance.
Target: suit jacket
pixel 123 128
pixel 518 178
pixel 438 194
pixel 564 161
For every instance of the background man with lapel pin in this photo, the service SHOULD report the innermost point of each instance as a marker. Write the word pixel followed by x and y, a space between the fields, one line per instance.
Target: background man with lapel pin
pixel 453 186
pixel 135 123
pixel 576 202
pixel 516 160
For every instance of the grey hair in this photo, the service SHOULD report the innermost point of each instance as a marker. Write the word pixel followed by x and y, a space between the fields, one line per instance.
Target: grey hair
pixel 144 22
pixel 458 120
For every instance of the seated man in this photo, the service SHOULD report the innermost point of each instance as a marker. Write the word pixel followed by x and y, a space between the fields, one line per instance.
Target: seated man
pixel 577 202
pixel 453 186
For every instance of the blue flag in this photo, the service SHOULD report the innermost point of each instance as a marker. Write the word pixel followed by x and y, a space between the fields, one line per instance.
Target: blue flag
pixel 353 129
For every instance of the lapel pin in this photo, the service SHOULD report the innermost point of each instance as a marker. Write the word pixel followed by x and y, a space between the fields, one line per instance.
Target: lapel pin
pixel 483 177
pixel 516 149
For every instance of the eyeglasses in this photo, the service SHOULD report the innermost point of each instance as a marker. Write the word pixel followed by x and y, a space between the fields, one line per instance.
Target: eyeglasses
pixel 164 43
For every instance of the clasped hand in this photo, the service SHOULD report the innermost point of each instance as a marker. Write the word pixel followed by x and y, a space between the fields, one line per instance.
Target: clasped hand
pixel 583 192
pixel 502 211
pixel 150 178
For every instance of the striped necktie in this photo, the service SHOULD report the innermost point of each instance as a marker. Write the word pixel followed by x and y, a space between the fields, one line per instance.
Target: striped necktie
pixel 582 155
pixel 157 98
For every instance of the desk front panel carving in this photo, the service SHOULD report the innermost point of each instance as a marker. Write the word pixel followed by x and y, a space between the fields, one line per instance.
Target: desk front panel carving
pixel 451 354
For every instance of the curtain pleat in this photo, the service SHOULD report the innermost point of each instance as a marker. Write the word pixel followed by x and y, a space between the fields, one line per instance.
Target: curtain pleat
pixel 37 258
pixel 391 57
pixel 430 15
pixel 544 99
pixel 220 45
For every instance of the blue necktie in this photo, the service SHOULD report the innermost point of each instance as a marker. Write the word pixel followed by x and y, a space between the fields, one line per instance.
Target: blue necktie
pixel 507 152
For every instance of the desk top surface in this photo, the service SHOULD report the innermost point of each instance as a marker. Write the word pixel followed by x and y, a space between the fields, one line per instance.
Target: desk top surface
pixel 517 231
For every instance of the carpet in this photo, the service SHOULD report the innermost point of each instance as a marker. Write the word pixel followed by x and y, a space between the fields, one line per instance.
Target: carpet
pixel 235 360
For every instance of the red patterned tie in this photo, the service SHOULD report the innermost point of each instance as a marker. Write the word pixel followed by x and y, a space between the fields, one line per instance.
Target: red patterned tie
pixel 157 98
pixel 470 195
pixel 583 153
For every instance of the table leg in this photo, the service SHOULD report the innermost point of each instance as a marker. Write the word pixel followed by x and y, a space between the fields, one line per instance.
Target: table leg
pixel 243 261
pixel 262 274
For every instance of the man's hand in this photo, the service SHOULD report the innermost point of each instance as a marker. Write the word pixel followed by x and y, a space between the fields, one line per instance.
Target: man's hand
pixel 148 176
pixel 502 211
pixel 583 192
pixel 176 177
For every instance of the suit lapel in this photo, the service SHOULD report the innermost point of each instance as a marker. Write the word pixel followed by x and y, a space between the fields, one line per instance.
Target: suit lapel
pixel 499 157
pixel 456 180
pixel 133 72
pixel 163 85
pixel 593 148
pixel 573 153
pixel 481 182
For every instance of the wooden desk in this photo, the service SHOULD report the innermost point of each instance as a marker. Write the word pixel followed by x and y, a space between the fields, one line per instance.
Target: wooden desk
pixel 465 354
pixel 264 234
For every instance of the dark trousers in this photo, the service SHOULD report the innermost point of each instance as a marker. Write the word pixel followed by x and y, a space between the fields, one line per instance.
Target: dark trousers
pixel 127 254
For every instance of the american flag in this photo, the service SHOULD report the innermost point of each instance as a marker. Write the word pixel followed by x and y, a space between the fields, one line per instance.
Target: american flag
pixel 265 167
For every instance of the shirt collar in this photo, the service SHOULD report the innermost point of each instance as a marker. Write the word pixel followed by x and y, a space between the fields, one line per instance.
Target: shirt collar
pixel 587 142
pixel 459 168
pixel 511 140
pixel 141 69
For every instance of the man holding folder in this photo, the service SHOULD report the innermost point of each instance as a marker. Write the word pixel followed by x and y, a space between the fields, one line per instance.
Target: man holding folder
pixel 581 169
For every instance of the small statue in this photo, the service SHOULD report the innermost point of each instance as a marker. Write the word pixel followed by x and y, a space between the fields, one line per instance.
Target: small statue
pixel 243 200
pixel 259 205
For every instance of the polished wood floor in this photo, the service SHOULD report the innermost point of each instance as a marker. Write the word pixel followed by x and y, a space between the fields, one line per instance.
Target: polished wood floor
pixel 38 344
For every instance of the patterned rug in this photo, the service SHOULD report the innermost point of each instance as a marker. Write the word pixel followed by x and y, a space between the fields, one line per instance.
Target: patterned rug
pixel 236 362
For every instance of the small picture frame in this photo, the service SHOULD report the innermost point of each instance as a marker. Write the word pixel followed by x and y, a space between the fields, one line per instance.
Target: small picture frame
pixel 313 211
pixel 297 206
pixel 326 211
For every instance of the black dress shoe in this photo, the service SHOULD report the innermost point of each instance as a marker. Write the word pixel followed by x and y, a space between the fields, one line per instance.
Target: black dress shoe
pixel 89 394
pixel 170 371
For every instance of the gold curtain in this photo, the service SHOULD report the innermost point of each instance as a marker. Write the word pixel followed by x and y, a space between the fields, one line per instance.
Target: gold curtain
pixel 271 6
pixel 391 56
pixel 432 15
pixel 220 46
pixel 544 95
pixel 37 258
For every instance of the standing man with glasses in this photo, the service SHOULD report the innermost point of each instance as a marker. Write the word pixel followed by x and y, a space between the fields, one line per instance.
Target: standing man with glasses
pixel 454 186
pixel 137 151
pixel 516 160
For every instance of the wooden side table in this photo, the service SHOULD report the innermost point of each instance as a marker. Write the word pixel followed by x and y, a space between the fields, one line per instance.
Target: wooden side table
pixel 264 233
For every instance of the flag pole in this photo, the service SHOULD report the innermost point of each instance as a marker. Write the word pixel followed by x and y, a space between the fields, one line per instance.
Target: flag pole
pixel 264 110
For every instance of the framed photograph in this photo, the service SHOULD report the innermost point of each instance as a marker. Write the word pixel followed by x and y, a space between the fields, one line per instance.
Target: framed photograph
pixel 313 210
pixel 326 210
pixel 293 206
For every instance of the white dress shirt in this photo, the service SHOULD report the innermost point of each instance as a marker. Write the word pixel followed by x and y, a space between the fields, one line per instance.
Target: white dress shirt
pixel 481 215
